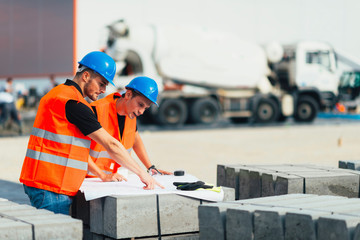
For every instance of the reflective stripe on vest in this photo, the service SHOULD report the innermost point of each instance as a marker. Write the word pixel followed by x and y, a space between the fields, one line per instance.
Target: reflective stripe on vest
pixel 80 142
pixel 57 160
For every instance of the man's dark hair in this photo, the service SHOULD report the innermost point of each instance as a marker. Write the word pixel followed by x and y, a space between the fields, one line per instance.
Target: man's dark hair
pixel 93 74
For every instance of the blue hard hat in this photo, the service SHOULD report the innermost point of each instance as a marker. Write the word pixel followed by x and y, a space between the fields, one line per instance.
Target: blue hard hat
pixel 101 63
pixel 146 86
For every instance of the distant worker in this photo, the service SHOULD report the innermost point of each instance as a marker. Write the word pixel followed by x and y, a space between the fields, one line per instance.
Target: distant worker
pixel 9 86
pixel 56 160
pixel 8 110
pixel 51 84
pixel 117 115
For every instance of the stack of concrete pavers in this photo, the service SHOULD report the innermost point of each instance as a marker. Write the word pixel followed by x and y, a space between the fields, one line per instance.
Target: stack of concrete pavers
pixel 353 165
pixel 252 181
pixel 19 221
pixel 292 216
pixel 170 216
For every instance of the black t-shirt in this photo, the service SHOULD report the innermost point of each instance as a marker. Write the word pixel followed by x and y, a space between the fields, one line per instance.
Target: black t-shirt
pixel 121 119
pixel 81 115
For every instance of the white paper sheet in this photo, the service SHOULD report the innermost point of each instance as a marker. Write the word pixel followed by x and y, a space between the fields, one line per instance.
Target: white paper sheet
pixel 94 188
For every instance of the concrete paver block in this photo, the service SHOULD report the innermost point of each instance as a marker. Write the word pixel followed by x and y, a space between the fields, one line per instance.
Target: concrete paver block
pixel 355 165
pixel 178 214
pixel 274 199
pixel 130 216
pixel 229 194
pixel 268 225
pixel 220 175
pixel 336 227
pixel 332 183
pixel 54 226
pixel 287 184
pixel 81 208
pixel 26 212
pixel 301 224
pixel 244 185
pixel 11 229
pixel 343 164
pixel 97 215
pixel 232 179
pixel 308 201
pixel 254 184
pixel 212 220
pixel 356 234
pixel 267 185
pixel 239 224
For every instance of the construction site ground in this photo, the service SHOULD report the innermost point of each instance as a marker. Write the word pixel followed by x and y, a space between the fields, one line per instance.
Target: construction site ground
pixel 198 149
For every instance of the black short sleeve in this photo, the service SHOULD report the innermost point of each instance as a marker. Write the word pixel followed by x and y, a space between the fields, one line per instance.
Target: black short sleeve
pixel 82 117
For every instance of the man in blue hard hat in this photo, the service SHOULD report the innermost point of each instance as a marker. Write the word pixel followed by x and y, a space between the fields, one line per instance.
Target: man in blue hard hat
pixel 57 155
pixel 117 114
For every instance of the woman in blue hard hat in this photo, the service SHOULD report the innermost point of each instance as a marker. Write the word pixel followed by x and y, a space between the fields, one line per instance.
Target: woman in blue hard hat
pixel 57 155
pixel 117 114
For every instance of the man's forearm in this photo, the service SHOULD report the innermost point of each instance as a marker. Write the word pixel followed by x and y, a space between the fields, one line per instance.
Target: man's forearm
pixel 116 150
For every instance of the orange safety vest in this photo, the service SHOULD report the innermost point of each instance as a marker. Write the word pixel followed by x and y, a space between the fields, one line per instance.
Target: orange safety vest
pixel 107 116
pixel 57 155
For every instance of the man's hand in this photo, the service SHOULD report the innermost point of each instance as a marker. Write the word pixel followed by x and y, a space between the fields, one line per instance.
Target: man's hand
pixel 159 171
pixel 152 170
pixel 113 177
pixel 149 182
pixel 163 172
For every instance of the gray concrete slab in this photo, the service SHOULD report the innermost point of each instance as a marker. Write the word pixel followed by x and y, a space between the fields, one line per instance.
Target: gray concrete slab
pixel 287 184
pixel 178 214
pixel 212 220
pixel 332 183
pixel 268 225
pixel 220 175
pixel 54 226
pixel 11 229
pixel 301 224
pixel 239 224
pixel 97 215
pixel 130 216
pixel 336 227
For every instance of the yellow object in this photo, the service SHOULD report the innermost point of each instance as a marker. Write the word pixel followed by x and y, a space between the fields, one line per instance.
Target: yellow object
pixel 19 103
pixel 214 189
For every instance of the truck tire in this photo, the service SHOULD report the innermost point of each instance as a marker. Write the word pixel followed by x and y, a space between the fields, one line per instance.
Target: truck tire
pixel 171 112
pixel 306 109
pixel 204 111
pixel 266 111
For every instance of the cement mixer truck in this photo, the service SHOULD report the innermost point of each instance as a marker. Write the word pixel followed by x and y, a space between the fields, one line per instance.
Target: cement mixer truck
pixel 204 74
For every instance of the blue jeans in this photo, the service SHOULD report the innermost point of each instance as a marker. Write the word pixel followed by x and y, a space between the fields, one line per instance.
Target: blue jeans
pixel 57 203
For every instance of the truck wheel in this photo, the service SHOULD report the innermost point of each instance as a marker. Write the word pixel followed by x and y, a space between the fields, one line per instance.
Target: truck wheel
pixel 172 112
pixel 306 109
pixel 267 111
pixel 205 111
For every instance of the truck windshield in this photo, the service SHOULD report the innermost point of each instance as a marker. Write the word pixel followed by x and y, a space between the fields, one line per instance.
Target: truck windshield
pixel 319 57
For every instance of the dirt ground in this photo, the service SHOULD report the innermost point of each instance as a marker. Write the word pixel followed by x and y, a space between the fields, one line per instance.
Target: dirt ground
pixel 199 151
